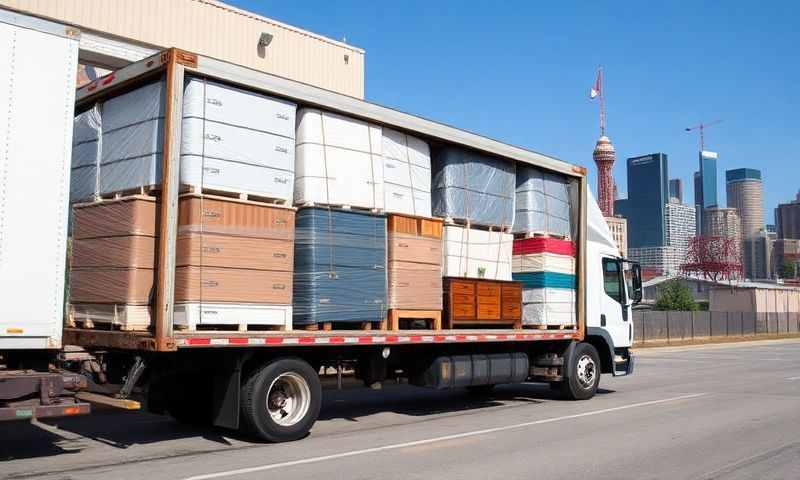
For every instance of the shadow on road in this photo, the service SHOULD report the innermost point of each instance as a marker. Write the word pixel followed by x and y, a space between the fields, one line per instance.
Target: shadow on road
pixel 118 429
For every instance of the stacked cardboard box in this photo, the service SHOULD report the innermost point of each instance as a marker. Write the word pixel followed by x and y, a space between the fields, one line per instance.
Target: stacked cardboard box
pixel 415 263
pixel 475 253
pixel 234 262
pixel 546 268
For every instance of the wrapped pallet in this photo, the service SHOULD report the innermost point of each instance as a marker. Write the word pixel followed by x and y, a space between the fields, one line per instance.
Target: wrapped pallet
pixel 338 161
pixel 232 140
pixel 407 174
pixel 546 268
pixel 474 253
pixel 414 263
pixel 473 187
pixel 542 203
pixel 85 155
pixel 234 262
pixel 340 267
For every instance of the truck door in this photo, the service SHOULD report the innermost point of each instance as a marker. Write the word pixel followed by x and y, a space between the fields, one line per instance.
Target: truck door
pixel 615 307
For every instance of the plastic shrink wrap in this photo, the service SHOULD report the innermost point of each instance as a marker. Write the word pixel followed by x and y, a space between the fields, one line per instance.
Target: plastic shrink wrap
pixel 338 161
pixel 340 266
pixel 473 187
pixel 474 253
pixel 407 174
pixel 542 202
pixel 232 140
pixel 86 133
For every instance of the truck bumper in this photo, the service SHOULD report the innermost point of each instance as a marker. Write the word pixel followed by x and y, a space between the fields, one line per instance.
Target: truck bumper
pixel 624 363
pixel 27 412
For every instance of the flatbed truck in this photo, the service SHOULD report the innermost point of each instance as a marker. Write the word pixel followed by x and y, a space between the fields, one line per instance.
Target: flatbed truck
pixel 265 382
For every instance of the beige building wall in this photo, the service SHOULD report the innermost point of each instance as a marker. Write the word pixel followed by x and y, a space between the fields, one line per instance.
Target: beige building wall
pixel 759 300
pixel 619 231
pixel 217 30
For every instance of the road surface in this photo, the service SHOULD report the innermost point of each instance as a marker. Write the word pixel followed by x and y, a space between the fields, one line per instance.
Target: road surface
pixel 722 411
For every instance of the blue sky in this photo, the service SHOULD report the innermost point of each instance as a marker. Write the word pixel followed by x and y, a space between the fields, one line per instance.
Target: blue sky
pixel 520 72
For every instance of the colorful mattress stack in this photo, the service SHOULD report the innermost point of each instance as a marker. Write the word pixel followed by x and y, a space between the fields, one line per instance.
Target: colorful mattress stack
pixel 546 268
pixel 415 263
pixel 232 140
pixel 234 262
pixel 542 203
pixel 473 253
pixel 338 161
pixel 340 267
pixel 407 174
pixel 473 187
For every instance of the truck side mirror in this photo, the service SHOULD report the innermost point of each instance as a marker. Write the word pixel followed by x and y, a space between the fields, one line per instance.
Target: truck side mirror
pixel 637 283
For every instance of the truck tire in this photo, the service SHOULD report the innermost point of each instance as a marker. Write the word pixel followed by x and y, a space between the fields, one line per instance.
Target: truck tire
pixel 280 400
pixel 583 377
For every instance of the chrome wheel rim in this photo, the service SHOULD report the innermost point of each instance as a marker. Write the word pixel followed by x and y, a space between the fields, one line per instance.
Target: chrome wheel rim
pixel 288 399
pixel 587 371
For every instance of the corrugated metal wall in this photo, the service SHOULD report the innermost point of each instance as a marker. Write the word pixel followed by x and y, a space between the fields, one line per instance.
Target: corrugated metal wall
pixel 217 30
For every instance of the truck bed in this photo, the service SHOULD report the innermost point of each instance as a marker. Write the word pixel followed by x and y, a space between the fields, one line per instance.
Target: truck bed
pixel 136 340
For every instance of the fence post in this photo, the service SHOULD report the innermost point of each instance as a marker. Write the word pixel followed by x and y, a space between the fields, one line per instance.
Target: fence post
pixel 727 324
pixel 693 313
pixel 668 336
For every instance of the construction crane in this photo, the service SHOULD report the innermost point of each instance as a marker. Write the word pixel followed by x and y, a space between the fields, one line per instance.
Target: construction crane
pixel 702 127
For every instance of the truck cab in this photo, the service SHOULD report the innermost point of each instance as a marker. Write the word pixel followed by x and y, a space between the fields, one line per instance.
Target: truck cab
pixel 614 286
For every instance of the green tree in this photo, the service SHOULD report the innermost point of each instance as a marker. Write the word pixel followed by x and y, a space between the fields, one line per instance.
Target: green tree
pixel 675 295
pixel 788 269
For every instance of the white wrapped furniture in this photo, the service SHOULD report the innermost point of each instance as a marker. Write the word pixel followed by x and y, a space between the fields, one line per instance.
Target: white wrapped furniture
pixel 407 174
pixel 473 187
pixel 338 161
pixel 474 253
pixel 232 140
pixel 542 203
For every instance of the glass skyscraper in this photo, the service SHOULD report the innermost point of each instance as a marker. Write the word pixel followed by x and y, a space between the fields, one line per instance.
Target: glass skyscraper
pixel 707 196
pixel 648 194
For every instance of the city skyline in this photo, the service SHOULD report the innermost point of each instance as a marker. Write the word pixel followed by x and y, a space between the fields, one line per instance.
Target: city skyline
pixel 523 76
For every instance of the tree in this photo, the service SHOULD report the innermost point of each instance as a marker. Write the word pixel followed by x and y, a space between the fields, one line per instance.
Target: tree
pixel 675 295
pixel 788 269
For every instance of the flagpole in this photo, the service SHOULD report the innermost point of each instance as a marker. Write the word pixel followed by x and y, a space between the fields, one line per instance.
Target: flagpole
pixel 602 103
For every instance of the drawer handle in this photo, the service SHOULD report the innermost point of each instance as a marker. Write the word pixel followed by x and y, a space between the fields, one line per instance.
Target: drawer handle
pixel 282 116
pixel 214 101
pixel 212 249
pixel 213 170
pixel 280 180
pixel 278 286
pixel 212 137
pixel 398 195
pixel 279 221
pixel 212 213
pixel 279 255
pixel 281 149
pixel 210 283
pixel 403 245
pixel 210 312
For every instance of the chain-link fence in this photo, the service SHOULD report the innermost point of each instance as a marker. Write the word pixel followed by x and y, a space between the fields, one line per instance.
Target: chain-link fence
pixel 675 327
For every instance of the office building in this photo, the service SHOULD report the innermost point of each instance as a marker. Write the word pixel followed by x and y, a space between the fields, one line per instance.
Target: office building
pixel 757 250
pixel 647 197
pixel 722 222
pixel 676 189
pixel 663 260
pixel 746 194
pixel 619 231
pixel 705 185
pixel 787 219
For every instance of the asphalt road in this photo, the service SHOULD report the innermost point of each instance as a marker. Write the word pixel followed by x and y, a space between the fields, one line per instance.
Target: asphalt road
pixel 716 412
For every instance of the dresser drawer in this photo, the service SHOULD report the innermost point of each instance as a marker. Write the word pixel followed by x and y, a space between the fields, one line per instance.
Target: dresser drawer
pixel 488 312
pixel 462 288
pixel 463 310
pixel 489 289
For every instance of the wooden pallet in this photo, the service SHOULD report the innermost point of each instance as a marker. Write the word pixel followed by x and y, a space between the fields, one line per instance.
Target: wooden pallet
pixel 144 190
pixel 524 235
pixel 433 317
pixel 463 222
pixel 328 326
pixel 242 327
pixel 549 327
pixel 129 318
pixel 340 206
pixel 250 197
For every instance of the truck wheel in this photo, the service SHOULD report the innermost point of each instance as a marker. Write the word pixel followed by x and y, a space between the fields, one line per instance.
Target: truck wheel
pixel 584 375
pixel 280 401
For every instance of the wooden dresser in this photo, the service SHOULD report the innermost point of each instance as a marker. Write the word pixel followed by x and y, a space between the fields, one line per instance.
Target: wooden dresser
pixel 469 301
